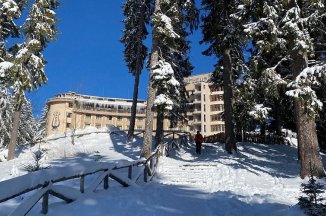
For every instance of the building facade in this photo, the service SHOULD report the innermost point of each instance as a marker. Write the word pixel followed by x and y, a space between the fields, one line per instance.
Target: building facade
pixel 73 111
pixel 206 105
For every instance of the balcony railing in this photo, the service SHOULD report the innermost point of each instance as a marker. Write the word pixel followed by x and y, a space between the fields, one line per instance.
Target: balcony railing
pixel 112 110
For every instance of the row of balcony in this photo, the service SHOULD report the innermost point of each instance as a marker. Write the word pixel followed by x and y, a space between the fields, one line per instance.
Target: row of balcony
pixel 111 110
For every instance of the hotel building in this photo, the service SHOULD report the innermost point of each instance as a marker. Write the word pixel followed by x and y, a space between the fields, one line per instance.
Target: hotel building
pixel 71 111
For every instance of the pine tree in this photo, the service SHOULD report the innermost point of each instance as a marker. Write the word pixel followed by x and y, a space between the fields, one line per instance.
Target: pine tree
pixel 312 202
pixel 27 71
pixel 41 124
pixel 147 146
pixel 137 13
pixel 6 111
pixel 289 25
pixel 183 18
pixel 222 30
pixel 27 130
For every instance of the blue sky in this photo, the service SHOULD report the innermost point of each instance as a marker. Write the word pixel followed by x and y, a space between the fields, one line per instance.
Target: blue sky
pixel 87 58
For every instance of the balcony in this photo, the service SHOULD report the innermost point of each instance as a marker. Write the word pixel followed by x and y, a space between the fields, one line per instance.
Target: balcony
pixel 89 109
pixel 196 122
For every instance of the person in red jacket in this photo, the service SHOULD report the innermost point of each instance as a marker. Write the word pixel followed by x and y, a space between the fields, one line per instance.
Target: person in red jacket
pixel 199 139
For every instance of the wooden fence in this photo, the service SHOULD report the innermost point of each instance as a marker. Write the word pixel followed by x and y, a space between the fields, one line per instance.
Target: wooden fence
pixel 44 188
pixel 249 137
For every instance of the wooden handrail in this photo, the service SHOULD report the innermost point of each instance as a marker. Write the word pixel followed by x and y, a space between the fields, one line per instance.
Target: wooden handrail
pixel 149 166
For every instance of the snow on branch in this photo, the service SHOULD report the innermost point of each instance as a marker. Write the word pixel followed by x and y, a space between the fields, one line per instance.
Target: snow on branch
pixel 164 25
pixel 9 8
pixel 163 78
pixel 260 112
pixel 302 87
pixel 4 67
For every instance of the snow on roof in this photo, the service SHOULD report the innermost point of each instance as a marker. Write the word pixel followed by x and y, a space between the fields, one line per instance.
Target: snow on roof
pixel 100 100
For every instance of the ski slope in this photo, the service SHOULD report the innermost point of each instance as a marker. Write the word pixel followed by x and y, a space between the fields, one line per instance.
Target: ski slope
pixel 259 180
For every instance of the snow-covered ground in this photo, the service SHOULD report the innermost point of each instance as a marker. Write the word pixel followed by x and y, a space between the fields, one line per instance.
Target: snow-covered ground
pixel 259 180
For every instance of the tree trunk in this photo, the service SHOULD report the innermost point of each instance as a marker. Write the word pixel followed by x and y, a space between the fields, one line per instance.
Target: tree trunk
pixel 262 128
pixel 133 108
pixel 230 142
pixel 136 84
pixel 159 128
pixel 147 147
pixel 306 129
pixel 14 132
pixel 278 120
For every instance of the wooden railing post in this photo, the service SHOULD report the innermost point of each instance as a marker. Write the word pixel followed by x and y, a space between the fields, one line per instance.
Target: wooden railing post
pixel 45 203
pixel 145 173
pixel 130 172
pixel 151 163
pixel 106 182
pixel 82 184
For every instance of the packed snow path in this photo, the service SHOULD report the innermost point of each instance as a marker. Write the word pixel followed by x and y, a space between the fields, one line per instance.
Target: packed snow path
pixel 258 174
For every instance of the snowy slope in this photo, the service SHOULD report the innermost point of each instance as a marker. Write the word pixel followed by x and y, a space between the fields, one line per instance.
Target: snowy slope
pixel 260 180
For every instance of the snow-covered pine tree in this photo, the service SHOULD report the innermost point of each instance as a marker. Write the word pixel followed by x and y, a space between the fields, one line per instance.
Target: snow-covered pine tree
pixel 6 112
pixel 137 13
pixel 41 124
pixel 27 72
pixel 183 19
pixel 27 130
pixel 10 10
pixel 164 44
pixel 243 103
pixel 291 35
pixel 147 146
pixel 222 30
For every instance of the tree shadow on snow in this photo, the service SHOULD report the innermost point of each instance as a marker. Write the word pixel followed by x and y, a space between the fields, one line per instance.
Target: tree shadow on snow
pixel 275 160
pixel 121 145
pixel 166 200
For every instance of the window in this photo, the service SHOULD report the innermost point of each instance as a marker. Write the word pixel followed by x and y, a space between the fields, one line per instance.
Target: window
pixel 68 125
pixel 70 105
pixel 213 128
pixel 88 116
pixel 110 117
pixel 204 118
pixel 69 115
pixel 98 117
pixel 139 119
pixel 216 117
pixel 119 118
pixel 204 128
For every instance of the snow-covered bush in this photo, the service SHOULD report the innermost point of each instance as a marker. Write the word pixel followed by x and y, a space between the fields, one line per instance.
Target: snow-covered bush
pixel 39 156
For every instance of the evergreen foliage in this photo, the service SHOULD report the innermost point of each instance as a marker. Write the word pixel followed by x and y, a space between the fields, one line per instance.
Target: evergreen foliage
pixel 223 32
pixel 22 64
pixel 28 125
pixel 137 15
pixel 313 202
pixel 6 112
